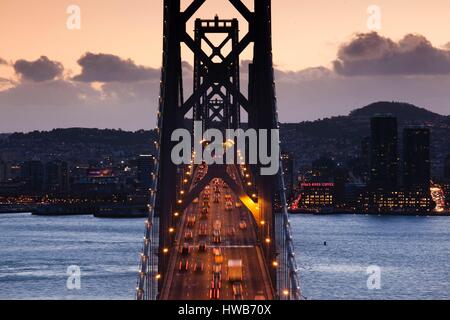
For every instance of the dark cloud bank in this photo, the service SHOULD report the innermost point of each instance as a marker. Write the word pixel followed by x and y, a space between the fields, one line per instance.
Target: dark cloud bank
pixel 111 68
pixel 40 70
pixel 368 68
pixel 372 54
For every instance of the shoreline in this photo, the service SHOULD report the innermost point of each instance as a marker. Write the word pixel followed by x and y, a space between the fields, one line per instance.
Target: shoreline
pixel 119 217
pixel 394 214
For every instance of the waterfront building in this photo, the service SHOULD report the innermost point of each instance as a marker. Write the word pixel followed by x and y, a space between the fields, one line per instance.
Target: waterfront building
pixel 401 201
pixel 317 195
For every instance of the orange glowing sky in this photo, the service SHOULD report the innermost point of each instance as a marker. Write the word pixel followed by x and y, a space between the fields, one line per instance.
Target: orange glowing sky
pixel 306 33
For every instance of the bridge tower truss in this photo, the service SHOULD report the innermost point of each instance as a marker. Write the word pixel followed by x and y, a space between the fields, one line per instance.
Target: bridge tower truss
pixel 217 102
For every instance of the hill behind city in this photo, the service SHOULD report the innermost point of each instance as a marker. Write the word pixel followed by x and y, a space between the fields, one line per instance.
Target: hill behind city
pixel 338 137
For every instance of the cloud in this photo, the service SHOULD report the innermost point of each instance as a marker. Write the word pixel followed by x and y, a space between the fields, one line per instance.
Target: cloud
pixel 62 104
pixel 110 68
pixel 308 74
pixel 128 95
pixel 372 54
pixel 40 70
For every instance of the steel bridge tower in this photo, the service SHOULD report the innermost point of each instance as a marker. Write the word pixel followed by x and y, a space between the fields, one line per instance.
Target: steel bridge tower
pixel 217 101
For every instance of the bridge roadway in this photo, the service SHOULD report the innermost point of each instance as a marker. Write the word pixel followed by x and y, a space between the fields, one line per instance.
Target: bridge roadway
pixel 236 243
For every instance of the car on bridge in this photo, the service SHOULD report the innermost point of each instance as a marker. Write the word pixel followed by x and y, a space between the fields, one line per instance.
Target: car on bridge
pixel 188 235
pixel 191 221
pixel 217 239
pixel 216 282
pixel 238 291
pixel 214 294
pixel 204 214
pixel 218 257
pixel 202 247
pixel 228 206
pixel 199 266
pixel 183 266
pixel 217 225
pixel 217 268
pixel 235 273
pixel 202 232
pixel 185 249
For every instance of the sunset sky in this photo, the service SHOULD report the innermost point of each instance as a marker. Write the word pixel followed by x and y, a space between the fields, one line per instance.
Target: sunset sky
pixel 309 37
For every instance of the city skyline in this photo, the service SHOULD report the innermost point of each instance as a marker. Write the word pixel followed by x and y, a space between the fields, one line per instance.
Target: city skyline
pixel 107 74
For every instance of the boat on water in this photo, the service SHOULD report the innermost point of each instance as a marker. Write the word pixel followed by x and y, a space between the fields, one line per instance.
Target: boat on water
pixel 16 208
pixel 122 211
pixel 64 209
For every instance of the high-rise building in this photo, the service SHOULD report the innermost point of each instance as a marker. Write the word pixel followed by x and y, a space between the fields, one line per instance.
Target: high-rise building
pixel 145 168
pixel 447 168
pixel 287 160
pixel 323 170
pixel 57 176
pixel 4 171
pixel 416 150
pixel 365 148
pixel 32 173
pixel 362 167
pixel 383 153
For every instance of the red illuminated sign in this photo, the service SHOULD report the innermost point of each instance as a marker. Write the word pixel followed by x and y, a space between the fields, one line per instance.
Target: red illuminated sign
pixel 317 184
